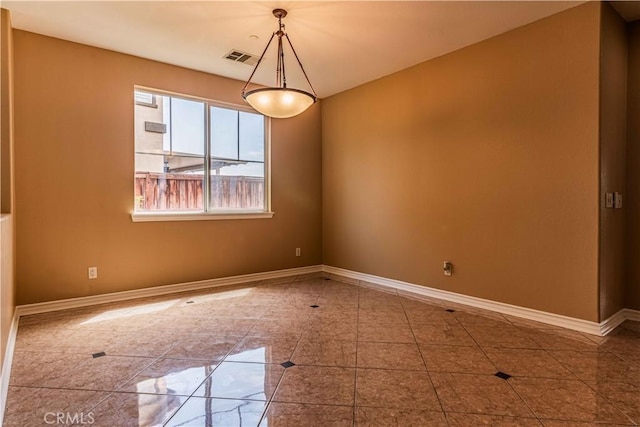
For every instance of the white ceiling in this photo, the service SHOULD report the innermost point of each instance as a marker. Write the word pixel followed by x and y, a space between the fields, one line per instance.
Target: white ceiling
pixel 341 44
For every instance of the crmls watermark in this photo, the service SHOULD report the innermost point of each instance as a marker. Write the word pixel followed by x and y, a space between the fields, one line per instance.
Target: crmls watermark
pixel 69 418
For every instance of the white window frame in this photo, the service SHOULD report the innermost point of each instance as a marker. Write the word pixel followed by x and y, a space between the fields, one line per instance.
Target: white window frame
pixel 227 214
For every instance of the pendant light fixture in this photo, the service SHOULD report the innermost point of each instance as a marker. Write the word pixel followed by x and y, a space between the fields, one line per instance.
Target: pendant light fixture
pixel 279 102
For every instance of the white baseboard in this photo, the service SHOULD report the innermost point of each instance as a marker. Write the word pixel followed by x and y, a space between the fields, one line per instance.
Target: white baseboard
pixel 44 307
pixel 630 314
pixel 593 328
pixel 613 322
pixel 6 364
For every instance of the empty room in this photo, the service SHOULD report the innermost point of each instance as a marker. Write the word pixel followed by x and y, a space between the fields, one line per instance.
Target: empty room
pixel 319 213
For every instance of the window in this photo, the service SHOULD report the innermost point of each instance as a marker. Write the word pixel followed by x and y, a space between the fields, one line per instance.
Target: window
pixel 195 156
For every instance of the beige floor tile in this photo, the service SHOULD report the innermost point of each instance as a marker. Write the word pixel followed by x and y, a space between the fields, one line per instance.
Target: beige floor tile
pixel 557 423
pixel 132 409
pixel 230 326
pixel 481 318
pixel 298 314
pixel 263 350
pixel 505 336
pixel 472 420
pixel 91 341
pixel 567 400
pixel 621 341
pixel 170 376
pixel 395 389
pixel 382 316
pixel 478 394
pixel 169 324
pixel 147 344
pixel 387 304
pixel 331 330
pixel 623 396
pixel 551 339
pixel 335 314
pixel 122 322
pixel 317 385
pixel 389 356
pixel 201 346
pixel 297 415
pixel 243 381
pixel 28 406
pixel 446 334
pixel 631 357
pixel 444 358
pixel 107 373
pixel 39 338
pixel 525 362
pixel 283 328
pixel 201 411
pixel 385 332
pixel 430 316
pixel 42 369
pixel 598 366
pixel 384 417
pixel 411 300
pixel 319 352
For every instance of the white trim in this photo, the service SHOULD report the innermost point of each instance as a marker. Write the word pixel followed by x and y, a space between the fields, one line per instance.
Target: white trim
pixel 6 364
pixel 630 314
pixel 613 322
pixel 580 325
pixel 200 216
pixel 43 307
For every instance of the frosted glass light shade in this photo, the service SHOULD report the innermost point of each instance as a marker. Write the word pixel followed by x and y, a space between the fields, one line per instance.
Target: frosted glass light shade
pixel 279 103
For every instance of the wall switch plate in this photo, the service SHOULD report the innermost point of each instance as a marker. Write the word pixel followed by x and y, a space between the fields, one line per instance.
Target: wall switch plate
pixel 298 252
pixel 618 201
pixel 93 272
pixel 608 200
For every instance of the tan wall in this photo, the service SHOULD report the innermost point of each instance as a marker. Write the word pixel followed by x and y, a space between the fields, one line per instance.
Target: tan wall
pixel 632 206
pixel 74 181
pixel 613 146
pixel 486 157
pixel 7 242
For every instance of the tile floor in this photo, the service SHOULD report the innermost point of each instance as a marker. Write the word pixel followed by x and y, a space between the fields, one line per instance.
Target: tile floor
pixel 310 351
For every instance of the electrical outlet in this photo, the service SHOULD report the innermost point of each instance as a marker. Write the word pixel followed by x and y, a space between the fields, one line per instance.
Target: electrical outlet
pixel 608 200
pixel 93 272
pixel 447 268
pixel 298 252
pixel 617 201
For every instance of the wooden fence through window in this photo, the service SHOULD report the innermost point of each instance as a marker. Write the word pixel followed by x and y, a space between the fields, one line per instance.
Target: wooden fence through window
pixel 167 191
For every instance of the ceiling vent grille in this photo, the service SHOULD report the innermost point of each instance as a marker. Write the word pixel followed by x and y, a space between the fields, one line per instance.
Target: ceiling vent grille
pixel 240 56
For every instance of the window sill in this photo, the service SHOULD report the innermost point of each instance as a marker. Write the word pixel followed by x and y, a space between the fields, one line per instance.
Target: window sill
pixel 199 216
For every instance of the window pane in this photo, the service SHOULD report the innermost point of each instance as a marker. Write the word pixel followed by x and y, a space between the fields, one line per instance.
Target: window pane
pixel 251 136
pixel 169 183
pixel 237 186
pixel 224 133
pixel 164 181
pixel 186 129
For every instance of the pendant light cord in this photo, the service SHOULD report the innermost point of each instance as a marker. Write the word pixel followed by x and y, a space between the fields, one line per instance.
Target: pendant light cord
pixel 258 64
pixel 301 67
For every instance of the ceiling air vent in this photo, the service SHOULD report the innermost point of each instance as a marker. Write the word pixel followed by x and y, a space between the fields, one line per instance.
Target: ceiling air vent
pixel 240 56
